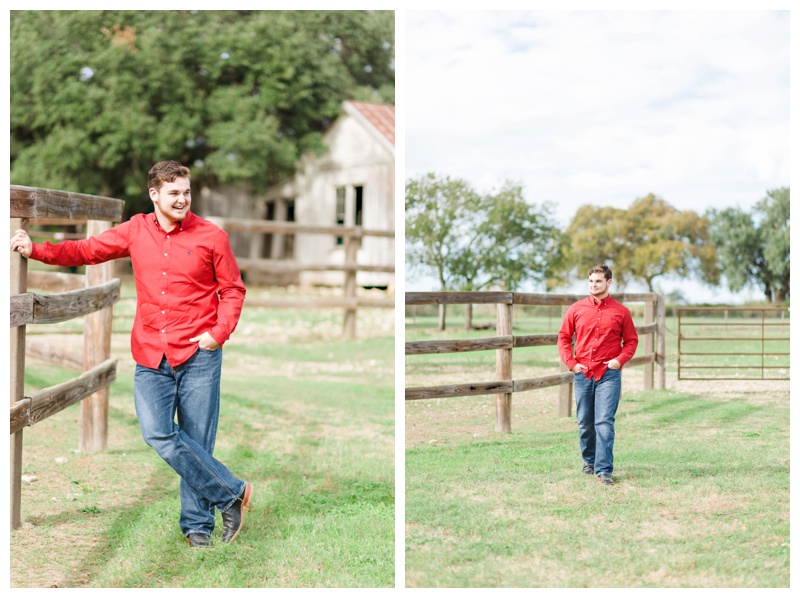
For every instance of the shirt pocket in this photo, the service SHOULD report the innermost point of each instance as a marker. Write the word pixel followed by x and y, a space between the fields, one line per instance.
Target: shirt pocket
pixel 615 322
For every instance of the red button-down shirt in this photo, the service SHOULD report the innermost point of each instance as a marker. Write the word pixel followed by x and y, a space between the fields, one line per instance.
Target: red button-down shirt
pixel 603 331
pixel 187 282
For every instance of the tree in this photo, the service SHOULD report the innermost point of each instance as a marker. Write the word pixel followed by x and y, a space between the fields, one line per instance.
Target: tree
pixel 441 227
pixel 753 247
pixel 520 241
pixel 98 96
pixel 648 240
pixel 516 242
pixel 475 241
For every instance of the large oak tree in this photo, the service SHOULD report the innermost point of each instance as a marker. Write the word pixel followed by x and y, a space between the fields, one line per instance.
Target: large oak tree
pixel 641 243
pixel 97 97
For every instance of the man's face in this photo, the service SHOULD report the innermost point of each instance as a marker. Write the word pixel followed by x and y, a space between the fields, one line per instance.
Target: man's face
pixel 172 200
pixel 598 285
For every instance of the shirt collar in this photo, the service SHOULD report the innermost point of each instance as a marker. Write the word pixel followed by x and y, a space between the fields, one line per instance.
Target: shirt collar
pixel 603 302
pixel 181 225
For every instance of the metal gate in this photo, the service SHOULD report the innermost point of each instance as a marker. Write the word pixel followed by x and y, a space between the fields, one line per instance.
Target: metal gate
pixel 737 343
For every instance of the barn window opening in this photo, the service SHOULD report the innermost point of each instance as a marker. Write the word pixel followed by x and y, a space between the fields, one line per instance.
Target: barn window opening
pixel 340 211
pixel 288 240
pixel 359 219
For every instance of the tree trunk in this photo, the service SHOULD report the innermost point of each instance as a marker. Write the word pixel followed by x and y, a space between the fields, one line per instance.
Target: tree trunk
pixel 468 316
pixel 441 316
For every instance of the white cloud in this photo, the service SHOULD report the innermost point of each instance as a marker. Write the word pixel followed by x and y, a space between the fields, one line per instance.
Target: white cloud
pixel 583 106
pixel 602 107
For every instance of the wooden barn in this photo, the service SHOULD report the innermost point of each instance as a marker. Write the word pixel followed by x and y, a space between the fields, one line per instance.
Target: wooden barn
pixel 352 184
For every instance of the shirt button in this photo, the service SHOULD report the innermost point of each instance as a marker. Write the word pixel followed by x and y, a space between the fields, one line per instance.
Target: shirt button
pixel 164 273
pixel 163 331
pixel 163 292
pixel 163 312
pixel 165 254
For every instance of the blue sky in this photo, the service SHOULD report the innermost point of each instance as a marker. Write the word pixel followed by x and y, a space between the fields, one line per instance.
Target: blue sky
pixel 601 107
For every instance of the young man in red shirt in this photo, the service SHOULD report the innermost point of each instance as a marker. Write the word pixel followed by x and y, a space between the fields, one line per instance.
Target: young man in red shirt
pixel 605 340
pixel 189 298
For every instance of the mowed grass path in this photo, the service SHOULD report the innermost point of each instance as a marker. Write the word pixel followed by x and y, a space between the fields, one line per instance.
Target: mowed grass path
pixel 701 500
pixel 306 417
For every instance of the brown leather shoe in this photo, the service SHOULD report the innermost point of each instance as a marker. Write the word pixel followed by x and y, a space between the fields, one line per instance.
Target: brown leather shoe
pixel 233 518
pixel 198 540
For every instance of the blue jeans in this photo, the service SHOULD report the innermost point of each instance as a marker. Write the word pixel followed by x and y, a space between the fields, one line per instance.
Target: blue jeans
pixel 190 391
pixel 596 404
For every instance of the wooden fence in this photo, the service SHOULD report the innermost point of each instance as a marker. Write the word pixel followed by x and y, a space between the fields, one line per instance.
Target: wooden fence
pixel 93 302
pixel 651 341
pixel 351 236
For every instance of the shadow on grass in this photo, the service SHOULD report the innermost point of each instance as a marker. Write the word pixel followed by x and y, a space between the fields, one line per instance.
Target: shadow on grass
pixel 675 408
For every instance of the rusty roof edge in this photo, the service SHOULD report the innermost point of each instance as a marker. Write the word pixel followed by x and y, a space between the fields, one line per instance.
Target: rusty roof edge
pixel 350 108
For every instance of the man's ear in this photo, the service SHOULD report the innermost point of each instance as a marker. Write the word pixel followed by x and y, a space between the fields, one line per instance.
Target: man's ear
pixel 153 193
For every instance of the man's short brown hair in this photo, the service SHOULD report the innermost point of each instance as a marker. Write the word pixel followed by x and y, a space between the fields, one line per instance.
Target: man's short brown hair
pixel 601 269
pixel 165 172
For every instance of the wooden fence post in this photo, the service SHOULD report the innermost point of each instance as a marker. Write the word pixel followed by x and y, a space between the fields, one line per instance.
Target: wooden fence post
pixel 565 389
pixel 18 285
pixel 661 342
pixel 502 412
pixel 352 243
pixel 647 343
pixel 96 349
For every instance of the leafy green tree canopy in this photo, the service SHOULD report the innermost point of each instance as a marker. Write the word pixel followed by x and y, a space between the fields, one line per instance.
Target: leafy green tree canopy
pixel 517 241
pixel 753 247
pixel 648 240
pixel 442 217
pixel 97 97
pixel 473 241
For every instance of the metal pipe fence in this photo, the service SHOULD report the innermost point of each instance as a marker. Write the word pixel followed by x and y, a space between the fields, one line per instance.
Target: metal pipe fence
pixel 735 343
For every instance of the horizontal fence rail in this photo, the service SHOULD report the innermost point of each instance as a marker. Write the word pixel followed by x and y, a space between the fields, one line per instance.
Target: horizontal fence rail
pixel 56 207
pixel 274 226
pixel 351 235
pixel 33 308
pixel 48 401
pixel 735 343
pixel 653 343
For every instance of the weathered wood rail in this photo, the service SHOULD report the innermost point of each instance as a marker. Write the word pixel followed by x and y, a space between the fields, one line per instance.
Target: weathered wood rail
pixel 651 342
pixel 90 296
pixel 351 235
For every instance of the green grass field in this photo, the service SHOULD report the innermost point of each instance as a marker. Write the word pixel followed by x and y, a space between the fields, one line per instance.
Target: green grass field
pixel 702 472
pixel 306 417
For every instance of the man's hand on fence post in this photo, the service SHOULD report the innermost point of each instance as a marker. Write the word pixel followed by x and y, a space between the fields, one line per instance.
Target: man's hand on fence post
pixel 21 243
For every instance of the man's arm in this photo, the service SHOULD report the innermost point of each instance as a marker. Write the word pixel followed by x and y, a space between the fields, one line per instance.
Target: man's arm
pixel 630 339
pixel 565 343
pixel 109 245
pixel 231 291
